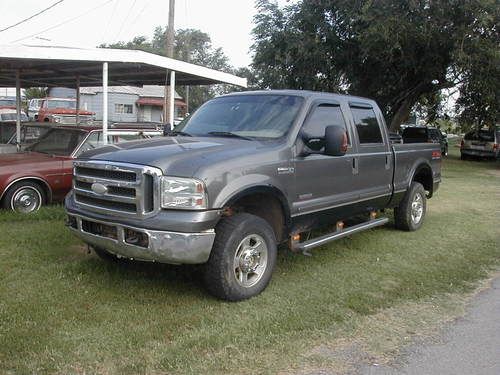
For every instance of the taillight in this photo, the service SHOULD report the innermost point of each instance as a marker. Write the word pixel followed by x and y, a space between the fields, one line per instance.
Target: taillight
pixel 436 154
pixel 495 146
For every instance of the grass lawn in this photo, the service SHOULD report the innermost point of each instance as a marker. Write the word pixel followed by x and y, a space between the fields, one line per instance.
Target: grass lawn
pixel 63 310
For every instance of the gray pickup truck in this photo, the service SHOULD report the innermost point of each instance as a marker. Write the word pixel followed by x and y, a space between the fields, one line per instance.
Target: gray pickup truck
pixel 247 172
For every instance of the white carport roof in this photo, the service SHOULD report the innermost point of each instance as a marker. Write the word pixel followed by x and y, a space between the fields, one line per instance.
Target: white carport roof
pixel 59 66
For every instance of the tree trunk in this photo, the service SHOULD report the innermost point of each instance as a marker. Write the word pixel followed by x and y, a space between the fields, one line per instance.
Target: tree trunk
pixel 402 113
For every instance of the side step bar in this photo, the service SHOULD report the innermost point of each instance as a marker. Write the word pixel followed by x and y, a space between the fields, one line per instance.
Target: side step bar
pixel 315 242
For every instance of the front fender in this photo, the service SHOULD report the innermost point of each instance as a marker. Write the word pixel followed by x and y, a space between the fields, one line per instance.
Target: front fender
pixel 247 184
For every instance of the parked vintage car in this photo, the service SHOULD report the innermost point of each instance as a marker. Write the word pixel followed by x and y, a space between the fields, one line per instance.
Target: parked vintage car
pixel 43 173
pixel 62 111
pixel 30 133
pixel 7 102
pixel 10 115
pixel 482 143
pixel 33 108
pixel 425 134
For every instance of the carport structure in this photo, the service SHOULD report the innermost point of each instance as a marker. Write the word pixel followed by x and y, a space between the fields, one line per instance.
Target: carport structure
pixel 41 66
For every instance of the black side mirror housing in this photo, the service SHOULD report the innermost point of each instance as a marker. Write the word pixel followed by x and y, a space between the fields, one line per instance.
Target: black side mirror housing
pixel 335 141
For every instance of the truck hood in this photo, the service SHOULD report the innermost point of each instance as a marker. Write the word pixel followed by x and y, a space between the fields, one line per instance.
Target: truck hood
pixel 178 156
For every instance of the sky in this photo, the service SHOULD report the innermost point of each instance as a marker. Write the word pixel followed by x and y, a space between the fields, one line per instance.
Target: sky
pixel 89 23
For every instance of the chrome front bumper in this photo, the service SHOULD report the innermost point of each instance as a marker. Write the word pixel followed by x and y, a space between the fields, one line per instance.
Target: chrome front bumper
pixel 160 246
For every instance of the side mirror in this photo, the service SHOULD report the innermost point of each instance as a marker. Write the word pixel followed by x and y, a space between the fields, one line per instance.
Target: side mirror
pixel 335 141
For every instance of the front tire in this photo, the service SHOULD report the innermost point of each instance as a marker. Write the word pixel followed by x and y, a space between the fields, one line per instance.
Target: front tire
pixel 410 213
pixel 24 197
pixel 242 259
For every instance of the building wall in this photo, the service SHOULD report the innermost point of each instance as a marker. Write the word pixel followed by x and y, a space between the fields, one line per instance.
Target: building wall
pixel 94 103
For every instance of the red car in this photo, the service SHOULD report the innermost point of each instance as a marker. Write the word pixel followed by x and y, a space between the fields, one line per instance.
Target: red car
pixel 44 172
pixel 62 111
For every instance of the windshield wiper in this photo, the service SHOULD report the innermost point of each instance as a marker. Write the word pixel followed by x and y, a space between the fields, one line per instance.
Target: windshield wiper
pixel 229 134
pixel 173 133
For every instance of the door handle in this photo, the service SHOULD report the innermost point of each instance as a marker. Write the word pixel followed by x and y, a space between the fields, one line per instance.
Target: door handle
pixel 354 165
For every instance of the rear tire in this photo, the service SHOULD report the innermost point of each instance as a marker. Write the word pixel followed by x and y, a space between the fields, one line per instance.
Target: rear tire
pixel 242 259
pixel 410 213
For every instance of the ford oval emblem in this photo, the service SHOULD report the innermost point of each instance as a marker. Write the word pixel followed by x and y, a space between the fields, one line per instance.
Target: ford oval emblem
pixel 99 188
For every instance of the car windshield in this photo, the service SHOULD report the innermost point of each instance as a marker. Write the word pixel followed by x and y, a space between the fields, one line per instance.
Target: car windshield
pixel 6 132
pixel 69 104
pixel 58 142
pixel 7 102
pixel 254 116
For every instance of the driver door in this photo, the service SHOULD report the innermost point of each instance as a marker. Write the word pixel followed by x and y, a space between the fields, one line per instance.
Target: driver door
pixel 322 181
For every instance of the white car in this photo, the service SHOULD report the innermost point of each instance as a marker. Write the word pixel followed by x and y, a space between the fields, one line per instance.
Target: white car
pixel 33 108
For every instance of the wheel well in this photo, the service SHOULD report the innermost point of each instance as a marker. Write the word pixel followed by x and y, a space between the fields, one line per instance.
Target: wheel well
pixel 42 183
pixel 264 205
pixel 423 175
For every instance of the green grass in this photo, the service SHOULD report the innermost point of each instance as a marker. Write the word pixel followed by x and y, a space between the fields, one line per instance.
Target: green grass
pixel 63 310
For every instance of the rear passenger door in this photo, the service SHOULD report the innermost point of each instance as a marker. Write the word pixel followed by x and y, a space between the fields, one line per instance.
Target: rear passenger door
pixel 373 161
pixel 322 181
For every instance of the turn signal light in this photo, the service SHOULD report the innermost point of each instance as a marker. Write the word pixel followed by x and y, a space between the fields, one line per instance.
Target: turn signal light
pixel 296 237
pixel 340 225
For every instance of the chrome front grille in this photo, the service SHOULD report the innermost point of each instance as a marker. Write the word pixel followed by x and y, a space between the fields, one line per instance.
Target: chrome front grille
pixel 116 188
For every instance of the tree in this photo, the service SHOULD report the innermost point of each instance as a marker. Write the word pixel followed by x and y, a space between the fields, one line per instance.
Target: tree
pixel 190 45
pixel 399 52
pixel 36 92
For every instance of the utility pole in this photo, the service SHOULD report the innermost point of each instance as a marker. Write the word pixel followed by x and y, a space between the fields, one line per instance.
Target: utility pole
pixel 169 52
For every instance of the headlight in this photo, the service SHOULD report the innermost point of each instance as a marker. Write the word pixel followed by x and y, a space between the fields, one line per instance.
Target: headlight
pixel 183 193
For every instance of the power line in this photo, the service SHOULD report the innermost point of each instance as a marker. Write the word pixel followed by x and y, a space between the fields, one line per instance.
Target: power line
pixel 125 20
pixel 62 23
pixel 33 16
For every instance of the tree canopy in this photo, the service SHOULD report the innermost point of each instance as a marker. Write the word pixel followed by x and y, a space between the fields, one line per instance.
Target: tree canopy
pixel 399 52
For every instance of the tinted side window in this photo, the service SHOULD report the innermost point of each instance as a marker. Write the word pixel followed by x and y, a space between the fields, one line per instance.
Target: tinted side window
pixel 366 125
pixel 322 116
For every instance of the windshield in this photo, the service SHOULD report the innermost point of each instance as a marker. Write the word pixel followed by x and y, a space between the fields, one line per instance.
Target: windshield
pixel 69 104
pixel 259 116
pixel 58 142
pixel 7 102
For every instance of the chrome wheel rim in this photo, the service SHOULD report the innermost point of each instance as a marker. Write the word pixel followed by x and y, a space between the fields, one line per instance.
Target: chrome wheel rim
pixel 250 260
pixel 417 208
pixel 25 200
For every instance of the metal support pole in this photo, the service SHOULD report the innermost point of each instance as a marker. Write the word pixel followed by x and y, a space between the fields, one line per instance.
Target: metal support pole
pixel 105 103
pixel 171 100
pixel 77 100
pixel 18 109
